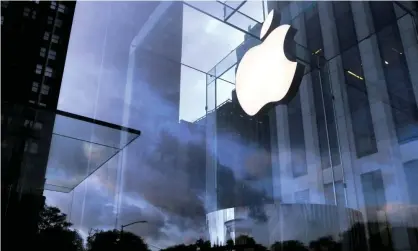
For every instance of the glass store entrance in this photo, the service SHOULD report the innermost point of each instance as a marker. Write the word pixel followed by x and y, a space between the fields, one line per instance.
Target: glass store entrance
pixel 334 165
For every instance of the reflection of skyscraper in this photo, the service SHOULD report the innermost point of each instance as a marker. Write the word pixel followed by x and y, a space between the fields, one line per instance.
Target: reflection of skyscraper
pixel 153 81
pixel 243 161
pixel 243 148
pixel 284 222
pixel 156 65
pixel 241 166
pixel 192 154
pixel 34 44
pixel 348 136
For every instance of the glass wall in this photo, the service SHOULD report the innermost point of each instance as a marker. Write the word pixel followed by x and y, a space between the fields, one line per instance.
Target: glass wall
pixel 336 161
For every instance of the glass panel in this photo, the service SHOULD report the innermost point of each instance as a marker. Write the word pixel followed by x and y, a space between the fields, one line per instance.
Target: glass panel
pixel 193 94
pixel 383 14
pixel 302 196
pixel 223 92
pixel 345 25
pixel 359 103
pixel 296 135
pixel 398 82
pixel 229 75
pixel 213 8
pixel 330 168
pixel 211 97
pixel 325 118
pixel 243 22
pixel 71 161
pixel 85 131
pixel 196 25
pixel 411 173
pixel 226 64
pixel 97 187
pixel 253 9
pixel 231 8
pixel 339 194
pixel 233 4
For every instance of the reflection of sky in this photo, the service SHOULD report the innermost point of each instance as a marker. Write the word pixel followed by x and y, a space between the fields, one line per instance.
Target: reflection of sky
pixel 154 189
pixel 94 85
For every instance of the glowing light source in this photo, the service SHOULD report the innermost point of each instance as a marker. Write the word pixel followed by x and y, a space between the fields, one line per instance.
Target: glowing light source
pixel 318 51
pixel 355 75
pixel 265 74
pixel 266 24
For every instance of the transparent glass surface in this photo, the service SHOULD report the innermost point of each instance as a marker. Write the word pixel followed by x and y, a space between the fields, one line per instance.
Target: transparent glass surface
pixel 71 161
pixel 78 148
pixel 76 129
pixel 332 167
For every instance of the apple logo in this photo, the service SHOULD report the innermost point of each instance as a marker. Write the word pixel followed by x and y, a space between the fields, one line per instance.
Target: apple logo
pixel 269 73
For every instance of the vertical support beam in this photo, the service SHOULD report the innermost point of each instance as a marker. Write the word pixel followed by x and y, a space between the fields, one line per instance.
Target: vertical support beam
pixel 409 38
pixel 388 158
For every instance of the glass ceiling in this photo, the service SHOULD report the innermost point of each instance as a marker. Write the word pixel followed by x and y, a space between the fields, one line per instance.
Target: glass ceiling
pixel 231 27
pixel 211 32
pixel 79 147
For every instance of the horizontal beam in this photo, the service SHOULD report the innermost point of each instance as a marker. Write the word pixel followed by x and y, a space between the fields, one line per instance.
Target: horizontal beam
pixel 98 122
pixel 77 117
pixel 220 20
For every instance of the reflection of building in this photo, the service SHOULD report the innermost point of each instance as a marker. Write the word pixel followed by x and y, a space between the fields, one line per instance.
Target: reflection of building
pixel 155 62
pixel 241 166
pixel 243 162
pixel 192 153
pixel 349 137
pixel 34 44
pixel 303 222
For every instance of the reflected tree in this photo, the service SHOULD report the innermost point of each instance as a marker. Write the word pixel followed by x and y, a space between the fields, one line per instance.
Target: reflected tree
pixel 113 240
pixel 245 242
pixel 181 247
pixel 355 238
pixel 203 245
pixel 62 239
pixel 326 243
pixel 242 243
pixel 54 232
pixel 229 244
pixel 291 245
pixel 52 217
pixel 198 245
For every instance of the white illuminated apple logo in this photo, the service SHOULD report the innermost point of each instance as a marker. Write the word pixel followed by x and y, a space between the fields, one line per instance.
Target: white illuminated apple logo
pixel 265 74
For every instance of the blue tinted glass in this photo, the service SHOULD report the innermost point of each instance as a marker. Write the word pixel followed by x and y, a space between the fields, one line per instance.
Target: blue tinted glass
pixel 128 117
pixel 398 82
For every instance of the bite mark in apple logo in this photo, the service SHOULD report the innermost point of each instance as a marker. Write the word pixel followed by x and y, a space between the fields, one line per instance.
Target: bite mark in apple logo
pixel 269 73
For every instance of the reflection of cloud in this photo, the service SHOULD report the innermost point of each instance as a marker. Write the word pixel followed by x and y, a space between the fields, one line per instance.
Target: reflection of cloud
pixel 208 39
pixel 212 25
pixel 93 152
pixel 155 187
pixel 258 163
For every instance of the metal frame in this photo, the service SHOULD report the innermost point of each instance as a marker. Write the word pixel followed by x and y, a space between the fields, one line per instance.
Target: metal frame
pixel 220 20
pixel 234 10
pixel 98 122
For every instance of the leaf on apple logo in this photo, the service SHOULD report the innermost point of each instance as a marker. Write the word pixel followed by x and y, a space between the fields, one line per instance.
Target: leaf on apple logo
pixel 267 24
